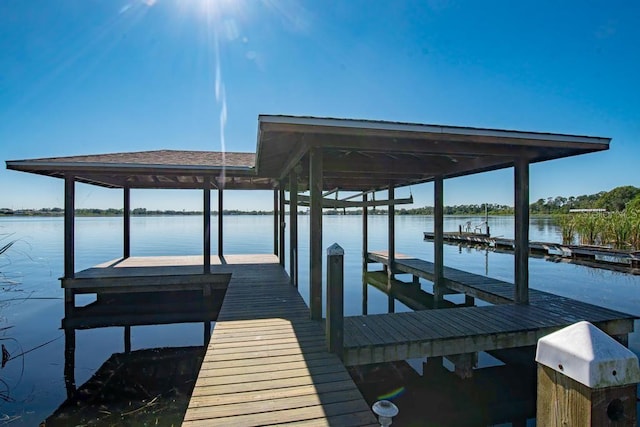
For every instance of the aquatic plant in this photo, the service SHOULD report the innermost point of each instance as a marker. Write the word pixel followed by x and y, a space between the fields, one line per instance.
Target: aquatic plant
pixel 618 229
pixel 567 226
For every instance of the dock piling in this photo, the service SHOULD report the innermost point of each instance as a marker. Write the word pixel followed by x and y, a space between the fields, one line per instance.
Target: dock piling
pixel 335 299
pixel 585 378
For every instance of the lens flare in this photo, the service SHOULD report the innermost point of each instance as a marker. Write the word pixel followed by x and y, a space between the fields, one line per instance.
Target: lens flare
pixel 392 394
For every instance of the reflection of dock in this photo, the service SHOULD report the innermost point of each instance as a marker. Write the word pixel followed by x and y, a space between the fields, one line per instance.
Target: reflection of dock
pixel 594 256
pixel 134 388
pixel 465 330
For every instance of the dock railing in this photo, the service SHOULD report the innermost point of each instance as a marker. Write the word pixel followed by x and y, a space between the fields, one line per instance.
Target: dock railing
pixel 334 329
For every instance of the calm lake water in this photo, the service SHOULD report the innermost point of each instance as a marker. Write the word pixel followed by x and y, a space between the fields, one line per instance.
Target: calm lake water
pixel 32 383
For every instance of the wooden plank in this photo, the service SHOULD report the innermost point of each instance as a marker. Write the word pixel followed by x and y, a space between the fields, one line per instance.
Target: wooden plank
pixel 267 362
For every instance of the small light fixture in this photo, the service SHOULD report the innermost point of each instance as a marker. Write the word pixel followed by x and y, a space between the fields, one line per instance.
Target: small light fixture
pixel 385 410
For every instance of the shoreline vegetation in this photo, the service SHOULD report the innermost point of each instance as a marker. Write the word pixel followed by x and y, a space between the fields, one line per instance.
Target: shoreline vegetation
pixel 616 200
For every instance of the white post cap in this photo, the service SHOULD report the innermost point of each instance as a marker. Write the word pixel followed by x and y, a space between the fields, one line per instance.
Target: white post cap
pixel 585 354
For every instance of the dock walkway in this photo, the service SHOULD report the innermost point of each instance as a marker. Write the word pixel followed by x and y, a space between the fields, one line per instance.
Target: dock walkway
pixel 451 331
pixel 267 362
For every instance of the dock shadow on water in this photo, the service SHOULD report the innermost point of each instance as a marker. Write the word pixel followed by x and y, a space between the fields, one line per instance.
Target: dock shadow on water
pixel 428 394
pixel 142 387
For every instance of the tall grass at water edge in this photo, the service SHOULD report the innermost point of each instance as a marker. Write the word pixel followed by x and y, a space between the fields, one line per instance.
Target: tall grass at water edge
pixel 620 230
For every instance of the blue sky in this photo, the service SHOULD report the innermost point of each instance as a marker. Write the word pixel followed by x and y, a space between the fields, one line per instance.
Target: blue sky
pixel 92 76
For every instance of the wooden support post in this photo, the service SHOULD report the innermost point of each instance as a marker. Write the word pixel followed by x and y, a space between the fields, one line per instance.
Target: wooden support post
pixel 70 361
pixel 275 221
pixel 335 299
pixel 220 221
pixel 283 225
pixel 315 227
pixel 293 228
pixel 365 235
pixel 206 226
pixel 126 222
pixel 207 332
pixel 438 241
pixel 521 258
pixel 69 226
pixel 69 241
pixel 365 254
pixel 391 302
pixel 585 378
pixel 391 237
pixel 127 339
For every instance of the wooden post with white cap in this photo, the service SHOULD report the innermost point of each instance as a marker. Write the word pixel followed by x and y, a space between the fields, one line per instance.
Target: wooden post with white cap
pixel 585 378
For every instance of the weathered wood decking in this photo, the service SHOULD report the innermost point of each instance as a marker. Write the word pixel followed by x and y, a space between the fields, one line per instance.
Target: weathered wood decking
pixel 450 331
pixel 267 363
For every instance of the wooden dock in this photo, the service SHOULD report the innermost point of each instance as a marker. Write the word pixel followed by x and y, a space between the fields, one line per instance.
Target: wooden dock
pixel 594 256
pixel 267 363
pixel 452 331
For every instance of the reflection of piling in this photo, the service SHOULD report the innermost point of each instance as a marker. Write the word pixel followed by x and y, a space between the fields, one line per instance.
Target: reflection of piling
pixel 70 361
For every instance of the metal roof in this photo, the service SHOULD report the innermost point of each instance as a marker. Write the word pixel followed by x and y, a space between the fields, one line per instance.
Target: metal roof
pixel 358 155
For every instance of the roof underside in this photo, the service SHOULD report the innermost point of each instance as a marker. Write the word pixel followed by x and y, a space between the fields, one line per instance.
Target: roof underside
pixel 358 155
pixel 363 155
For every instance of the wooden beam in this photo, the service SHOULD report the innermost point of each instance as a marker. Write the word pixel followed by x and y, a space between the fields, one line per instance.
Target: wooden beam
pixel 332 203
pixel 294 158
pixel 391 302
pixel 206 225
pixel 293 227
pixel 365 251
pixel 275 221
pixel 438 240
pixel 126 222
pixel 220 222
pixel 521 185
pixel 69 226
pixel 315 227
pixel 283 225
pixel 69 242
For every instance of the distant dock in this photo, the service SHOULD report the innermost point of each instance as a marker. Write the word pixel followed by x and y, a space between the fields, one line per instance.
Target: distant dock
pixel 593 256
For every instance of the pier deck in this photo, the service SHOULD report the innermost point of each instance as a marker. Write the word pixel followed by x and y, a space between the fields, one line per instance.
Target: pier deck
pixel 267 363
pixel 450 331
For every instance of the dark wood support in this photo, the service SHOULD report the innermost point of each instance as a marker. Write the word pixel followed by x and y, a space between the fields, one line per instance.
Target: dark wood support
pixel 315 228
pixel 220 223
pixel 283 225
pixel 206 226
pixel 69 241
pixel 69 226
pixel 335 299
pixel 275 222
pixel 293 228
pixel 127 339
pixel 391 236
pixel 438 240
pixel 126 220
pixel 207 332
pixel 365 252
pixel 521 231
pixel 365 235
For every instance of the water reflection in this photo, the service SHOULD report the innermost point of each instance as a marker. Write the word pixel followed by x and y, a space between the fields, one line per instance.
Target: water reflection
pixel 141 387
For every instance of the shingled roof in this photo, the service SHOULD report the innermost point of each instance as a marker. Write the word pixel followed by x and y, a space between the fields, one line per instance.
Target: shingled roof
pixel 358 155
pixel 152 169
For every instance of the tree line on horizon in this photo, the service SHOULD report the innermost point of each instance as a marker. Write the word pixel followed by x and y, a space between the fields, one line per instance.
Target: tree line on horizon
pixel 615 200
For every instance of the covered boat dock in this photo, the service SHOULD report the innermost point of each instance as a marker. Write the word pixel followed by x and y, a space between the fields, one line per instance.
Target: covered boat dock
pixel 314 160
